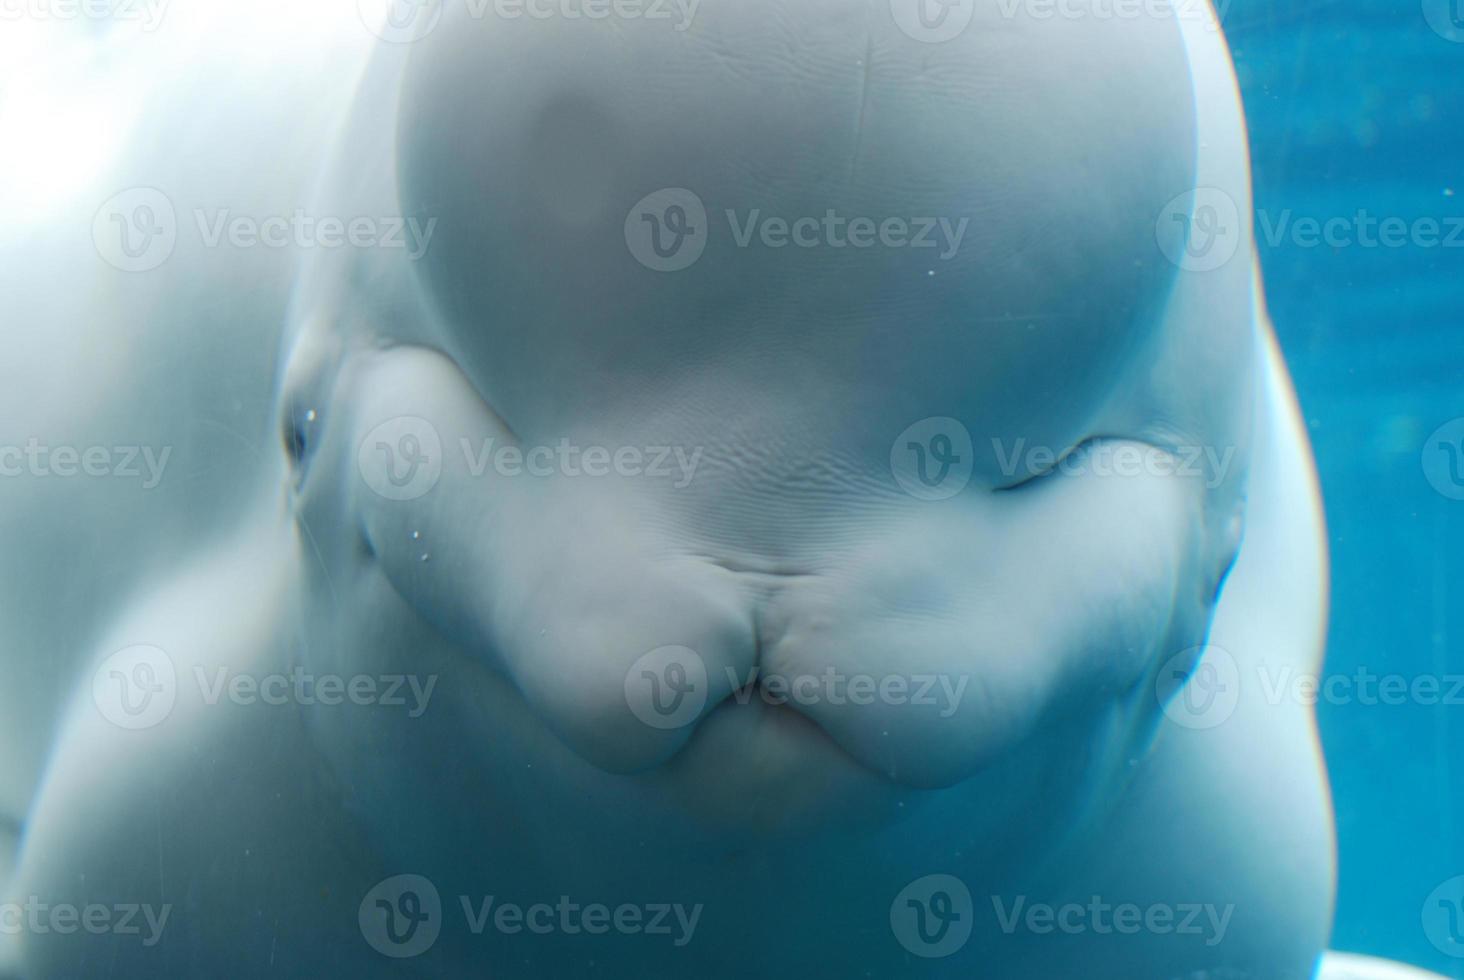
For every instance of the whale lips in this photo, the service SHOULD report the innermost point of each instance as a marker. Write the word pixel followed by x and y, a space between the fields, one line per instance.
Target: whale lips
pixel 927 640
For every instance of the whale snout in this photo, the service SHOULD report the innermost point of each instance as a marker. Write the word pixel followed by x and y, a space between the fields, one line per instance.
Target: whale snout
pixel 628 667
pixel 921 643
pixel 624 667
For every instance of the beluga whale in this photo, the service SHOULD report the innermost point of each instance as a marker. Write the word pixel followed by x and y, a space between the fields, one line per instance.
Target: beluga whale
pixel 773 487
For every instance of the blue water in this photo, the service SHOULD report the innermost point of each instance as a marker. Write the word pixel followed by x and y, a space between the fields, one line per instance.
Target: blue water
pixel 1361 106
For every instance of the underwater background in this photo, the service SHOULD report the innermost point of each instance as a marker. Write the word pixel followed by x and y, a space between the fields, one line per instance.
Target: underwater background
pixel 1356 112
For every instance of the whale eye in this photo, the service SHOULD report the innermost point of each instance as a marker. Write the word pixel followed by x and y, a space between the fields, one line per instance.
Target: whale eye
pixel 299 433
pixel 1029 472
pixel 305 392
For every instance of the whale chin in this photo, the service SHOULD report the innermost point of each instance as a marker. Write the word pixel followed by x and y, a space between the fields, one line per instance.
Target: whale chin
pixel 762 771
pixel 757 773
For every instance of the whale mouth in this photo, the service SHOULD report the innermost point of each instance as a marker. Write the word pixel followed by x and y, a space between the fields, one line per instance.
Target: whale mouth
pixel 910 651
pixel 766 769
pixel 755 710
pixel 786 728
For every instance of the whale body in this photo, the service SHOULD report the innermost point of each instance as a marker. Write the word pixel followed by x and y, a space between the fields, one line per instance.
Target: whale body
pixel 1043 470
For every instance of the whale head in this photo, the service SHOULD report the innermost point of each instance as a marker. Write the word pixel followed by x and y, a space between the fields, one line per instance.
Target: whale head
pixel 750 435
